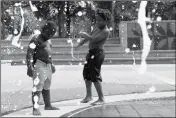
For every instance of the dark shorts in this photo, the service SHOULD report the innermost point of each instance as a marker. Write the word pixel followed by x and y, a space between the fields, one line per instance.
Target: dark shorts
pixel 92 69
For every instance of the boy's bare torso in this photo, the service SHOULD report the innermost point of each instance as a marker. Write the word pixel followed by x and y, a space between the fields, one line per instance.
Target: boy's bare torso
pixel 99 44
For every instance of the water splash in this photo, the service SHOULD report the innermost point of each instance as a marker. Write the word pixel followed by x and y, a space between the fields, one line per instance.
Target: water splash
pixel 32 46
pixel 34 8
pixel 146 40
pixel 16 38
pixel 152 89
pixel 36 81
pixel 127 50
pixel 71 43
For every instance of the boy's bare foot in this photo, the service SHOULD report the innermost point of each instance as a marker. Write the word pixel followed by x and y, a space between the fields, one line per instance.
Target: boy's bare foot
pixel 51 108
pixel 98 102
pixel 86 100
pixel 36 112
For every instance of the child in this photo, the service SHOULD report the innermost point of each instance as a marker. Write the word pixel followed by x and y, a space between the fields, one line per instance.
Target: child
pixel 40 66
pixel 96 55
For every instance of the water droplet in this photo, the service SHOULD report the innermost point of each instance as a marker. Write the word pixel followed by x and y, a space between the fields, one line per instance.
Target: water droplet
pixel 149 26
pixel 134 1
pixel 23 62
pixel 80 64
pixel 37 32
pixel 36 106
pixel 153 10
pixel 134 46
pixel 127 50
pixel 34 89
pixel 80 13
pixel 110 28
pixel 36 81
pixel 36 98
pixel 32 46
pixel 15 31
pixel 158 18
pixel 152 89
pixel 92 57
pixel 21 47
pixel 78 40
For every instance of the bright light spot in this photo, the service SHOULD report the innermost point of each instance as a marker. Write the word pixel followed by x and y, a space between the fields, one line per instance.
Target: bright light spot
pixel 78 40
pixel 110 28
pixel 40 19
pixel 36 98
pixel 37 32
pixel 12 17
pixel 69 41
pixel 16 4
pixel 80 13
pixel 152 89
pixel 149 26
pixel 85 62
pixel 80 64
pixel 158 18
pixel 92 57
pixel 123 7
pixel 34 8
pixel 91 28
pixel 134 46
pixel 21 47
pixel 31 60
pixel 32 46
pixel 134 1
pixel 154 10
pixel 15 32
pixel 19 82
pixel 7 10
pixel 36 81
pixel 65 9
pixel 36 106
pixel 127 50
pixel 34 89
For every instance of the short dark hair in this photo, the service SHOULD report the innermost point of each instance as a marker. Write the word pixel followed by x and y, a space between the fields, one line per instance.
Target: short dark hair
pixel 104 13
pixel 49 25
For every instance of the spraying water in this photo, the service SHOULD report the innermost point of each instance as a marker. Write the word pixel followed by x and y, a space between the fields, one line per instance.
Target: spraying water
pixel 146 40
pixel 16 38
pixel 33 7
pixel 71 42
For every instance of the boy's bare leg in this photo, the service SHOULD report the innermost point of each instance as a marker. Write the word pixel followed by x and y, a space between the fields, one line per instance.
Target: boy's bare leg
pixel 36 111
pixel 88 92
pixel 98 87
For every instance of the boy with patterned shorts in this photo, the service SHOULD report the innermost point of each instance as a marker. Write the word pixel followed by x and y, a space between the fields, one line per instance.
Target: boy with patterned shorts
pixel 40 66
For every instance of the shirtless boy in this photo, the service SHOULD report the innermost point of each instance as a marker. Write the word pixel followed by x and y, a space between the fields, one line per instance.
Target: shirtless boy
pixel 96 55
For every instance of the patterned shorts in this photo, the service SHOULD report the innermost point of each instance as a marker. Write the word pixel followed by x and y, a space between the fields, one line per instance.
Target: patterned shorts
pixel 44 74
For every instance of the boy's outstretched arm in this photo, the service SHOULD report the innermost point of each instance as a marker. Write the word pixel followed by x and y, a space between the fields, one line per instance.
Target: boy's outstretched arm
pixel 102 35
pixel 81 43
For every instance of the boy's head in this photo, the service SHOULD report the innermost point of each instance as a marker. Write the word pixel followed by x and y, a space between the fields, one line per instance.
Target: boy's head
pixel 103 17
pixel 49 29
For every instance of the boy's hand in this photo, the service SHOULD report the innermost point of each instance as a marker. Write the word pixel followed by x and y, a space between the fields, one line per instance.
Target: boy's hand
pixel 30 72
pixel 53 68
